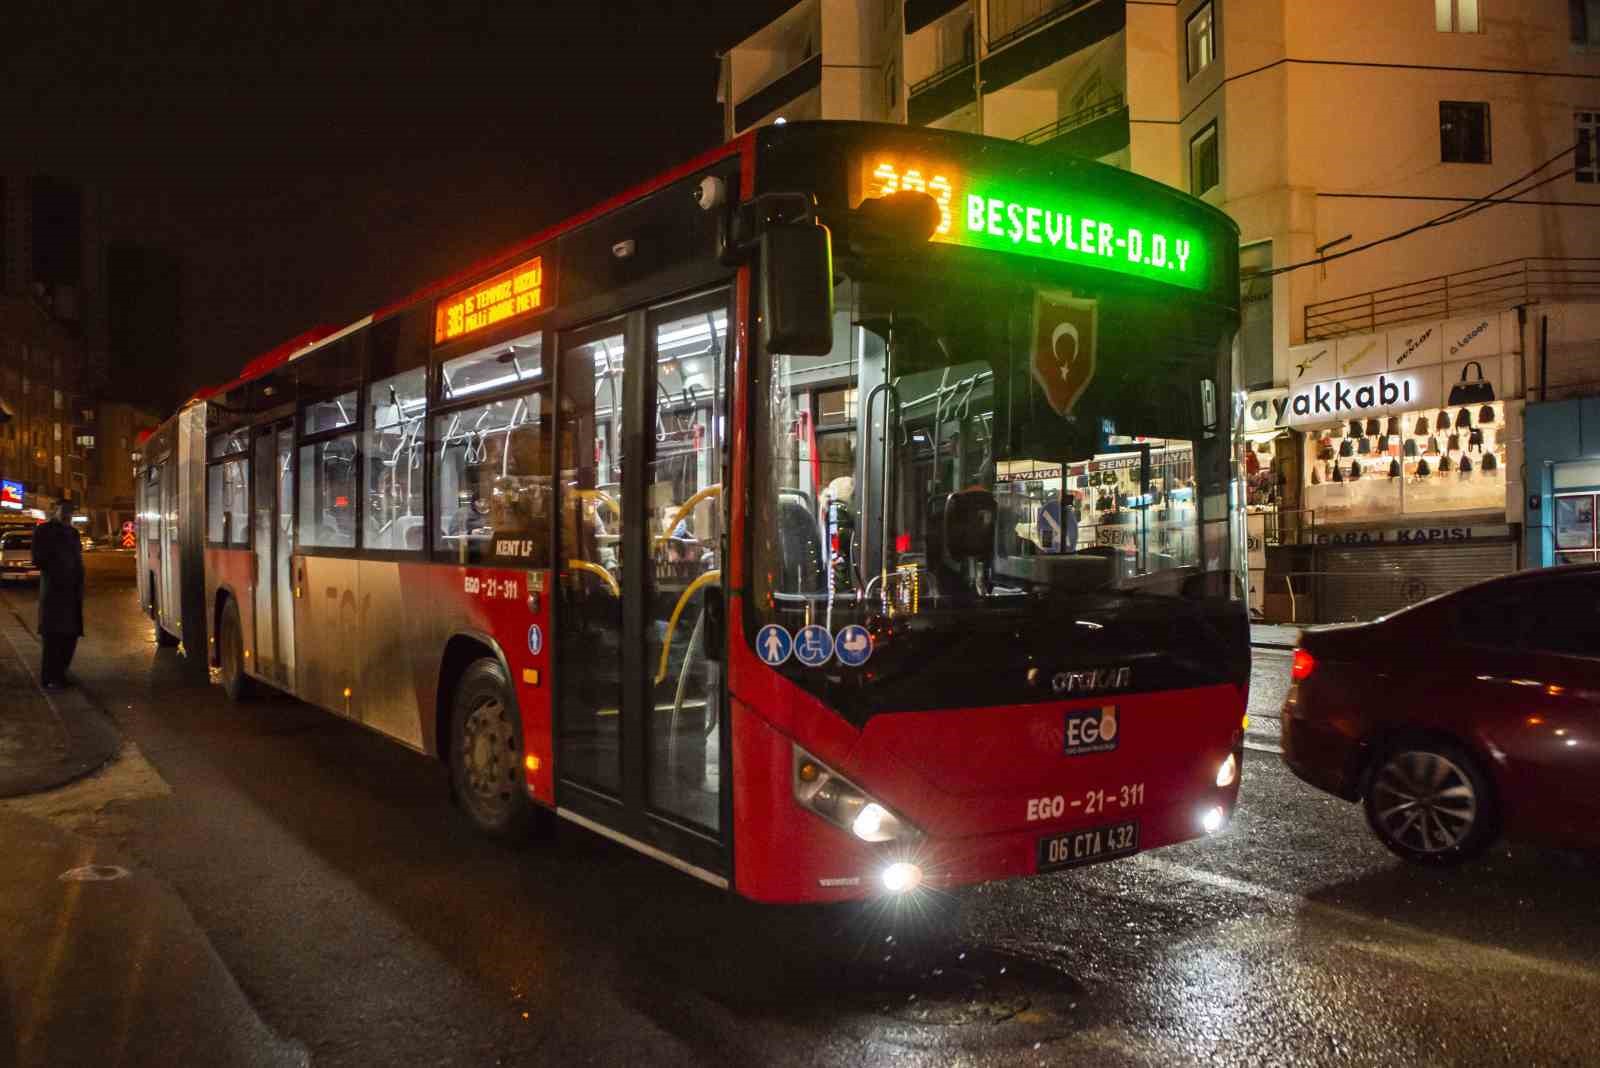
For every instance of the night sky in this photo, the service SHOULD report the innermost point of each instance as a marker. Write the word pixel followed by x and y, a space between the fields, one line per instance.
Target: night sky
pixel 309 162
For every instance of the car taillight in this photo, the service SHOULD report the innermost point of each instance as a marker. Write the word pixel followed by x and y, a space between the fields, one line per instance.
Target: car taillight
pixel 1303 665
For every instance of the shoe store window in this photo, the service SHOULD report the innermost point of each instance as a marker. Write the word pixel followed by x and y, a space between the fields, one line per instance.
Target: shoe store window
pixel 1424 462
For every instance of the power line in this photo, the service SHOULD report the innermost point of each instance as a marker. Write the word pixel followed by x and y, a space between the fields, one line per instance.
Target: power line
pixel 1453 215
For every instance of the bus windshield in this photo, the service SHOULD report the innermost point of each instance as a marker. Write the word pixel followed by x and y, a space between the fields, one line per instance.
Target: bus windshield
pixel 1030 477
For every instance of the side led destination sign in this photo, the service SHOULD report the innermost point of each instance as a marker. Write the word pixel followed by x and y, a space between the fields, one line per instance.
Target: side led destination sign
pixel 1036 218
pixel 509 294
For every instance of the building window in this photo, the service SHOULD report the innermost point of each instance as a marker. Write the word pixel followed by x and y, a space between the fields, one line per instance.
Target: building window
pixel 1585 19
pixel 1204 167
pixel 1202 39
pixel 1455 16
pixel 1586 163
pixel 891 87
pixel 1463 132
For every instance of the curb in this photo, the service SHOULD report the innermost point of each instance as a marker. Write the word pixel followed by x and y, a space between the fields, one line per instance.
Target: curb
pixel 93 740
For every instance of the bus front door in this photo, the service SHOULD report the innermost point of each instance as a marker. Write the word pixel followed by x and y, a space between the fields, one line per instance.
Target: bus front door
pixel 272 503
pixel 641 751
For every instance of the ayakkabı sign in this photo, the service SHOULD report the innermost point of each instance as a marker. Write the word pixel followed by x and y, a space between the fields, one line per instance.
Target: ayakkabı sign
pixel 1322 403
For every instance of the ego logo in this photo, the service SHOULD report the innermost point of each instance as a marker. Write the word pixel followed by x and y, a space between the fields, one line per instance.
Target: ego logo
pixel 1091 730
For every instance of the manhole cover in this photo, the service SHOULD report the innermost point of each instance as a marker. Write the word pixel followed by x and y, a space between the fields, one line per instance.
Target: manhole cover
pixel 94 873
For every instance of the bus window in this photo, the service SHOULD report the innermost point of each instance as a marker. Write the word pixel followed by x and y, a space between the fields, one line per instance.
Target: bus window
pixel 495 367
pixel 492 482
pixel 226 503
pixel 393 449
pixel 327 492
pixel 330 414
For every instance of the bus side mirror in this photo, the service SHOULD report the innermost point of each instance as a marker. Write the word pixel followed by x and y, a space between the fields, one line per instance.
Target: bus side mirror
pixel 797 289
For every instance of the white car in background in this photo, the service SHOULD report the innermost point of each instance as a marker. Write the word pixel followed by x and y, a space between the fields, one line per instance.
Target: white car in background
pixel 16 555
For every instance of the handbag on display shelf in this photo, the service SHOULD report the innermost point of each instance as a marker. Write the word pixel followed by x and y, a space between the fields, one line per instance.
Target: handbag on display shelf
pixel 1355 428
pixel 1394 468
pixel 1453 443
pixel 1486 415
pixel 1490 463
pixel 1394 426
pixel 1372 427
pixel 1347 448
pixel 1423 471
pixel 1364 446
pixel 1355 470
pixel 1475 439
pixel 1444 464
pixel 1463 420
pixel 1466 465
pixel 1316 474
pixel 1410 447
pixel 1478 391
pixel 1326 452
pixel 1338 472
pixel 1441 421
pixel 1422 426
pixel 1432 446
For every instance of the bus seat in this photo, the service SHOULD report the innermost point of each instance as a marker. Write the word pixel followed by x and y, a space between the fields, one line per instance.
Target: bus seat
pixel 408 532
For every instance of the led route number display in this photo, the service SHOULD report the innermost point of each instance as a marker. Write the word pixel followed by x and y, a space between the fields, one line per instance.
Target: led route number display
pixel 1049 222
pixel 511 293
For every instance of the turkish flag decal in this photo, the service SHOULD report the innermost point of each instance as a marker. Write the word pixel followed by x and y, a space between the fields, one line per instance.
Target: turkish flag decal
pixel 1065 333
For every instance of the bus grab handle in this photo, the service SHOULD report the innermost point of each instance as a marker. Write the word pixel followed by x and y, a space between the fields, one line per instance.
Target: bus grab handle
pixel 672 623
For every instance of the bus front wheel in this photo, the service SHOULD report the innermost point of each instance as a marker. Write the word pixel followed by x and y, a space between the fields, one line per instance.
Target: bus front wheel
pixel 486 755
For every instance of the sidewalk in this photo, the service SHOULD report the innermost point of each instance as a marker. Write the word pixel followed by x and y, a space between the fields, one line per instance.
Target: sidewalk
pixel 46 740
pixel 100 963
pixel 1274 635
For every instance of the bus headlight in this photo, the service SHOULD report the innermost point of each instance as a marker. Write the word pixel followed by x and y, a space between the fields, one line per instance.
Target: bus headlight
pixel 843 804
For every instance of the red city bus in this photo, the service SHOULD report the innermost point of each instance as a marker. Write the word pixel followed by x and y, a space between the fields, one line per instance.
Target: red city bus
pixel 848 510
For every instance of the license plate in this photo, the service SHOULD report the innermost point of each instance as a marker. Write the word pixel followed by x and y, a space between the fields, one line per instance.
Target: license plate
pixel 1088 847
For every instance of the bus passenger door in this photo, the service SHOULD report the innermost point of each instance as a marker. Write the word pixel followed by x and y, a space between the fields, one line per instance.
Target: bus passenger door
pixel 264 493
pixel 282 551
pixel 640 428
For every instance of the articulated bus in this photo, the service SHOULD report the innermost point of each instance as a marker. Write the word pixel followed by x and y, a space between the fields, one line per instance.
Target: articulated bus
pixel 850 510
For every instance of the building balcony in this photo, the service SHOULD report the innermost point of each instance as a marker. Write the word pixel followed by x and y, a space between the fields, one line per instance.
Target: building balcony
pixel 1097 130
pixel 1012 20
pixel 775 94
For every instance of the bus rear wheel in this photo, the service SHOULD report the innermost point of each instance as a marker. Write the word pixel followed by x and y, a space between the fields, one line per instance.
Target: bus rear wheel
pixel 230 654
pixel 486 755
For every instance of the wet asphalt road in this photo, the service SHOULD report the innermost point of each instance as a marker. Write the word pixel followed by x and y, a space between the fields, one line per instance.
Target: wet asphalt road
pixel 361 920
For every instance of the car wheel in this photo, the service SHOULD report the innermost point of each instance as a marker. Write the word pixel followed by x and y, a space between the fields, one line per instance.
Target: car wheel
pixel 1429 802
pixel 486 753
pixel 235 683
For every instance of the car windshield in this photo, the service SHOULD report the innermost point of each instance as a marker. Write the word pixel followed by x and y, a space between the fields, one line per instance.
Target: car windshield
pixel 1043 453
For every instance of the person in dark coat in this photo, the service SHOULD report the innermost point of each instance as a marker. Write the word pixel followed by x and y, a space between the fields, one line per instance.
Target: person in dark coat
pixel 58 554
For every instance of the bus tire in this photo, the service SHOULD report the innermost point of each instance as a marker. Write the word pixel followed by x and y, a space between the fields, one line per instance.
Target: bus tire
pixel 230 654
pixel 486 755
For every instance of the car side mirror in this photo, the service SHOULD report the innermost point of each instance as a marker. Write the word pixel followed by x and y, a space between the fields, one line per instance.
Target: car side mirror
pixel 796 288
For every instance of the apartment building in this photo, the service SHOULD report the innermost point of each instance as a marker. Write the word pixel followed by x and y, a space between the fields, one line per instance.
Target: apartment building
pixel 43 424
pixel 1322 129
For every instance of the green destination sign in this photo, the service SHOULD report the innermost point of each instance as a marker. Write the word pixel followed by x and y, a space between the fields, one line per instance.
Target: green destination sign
pixel 1045 221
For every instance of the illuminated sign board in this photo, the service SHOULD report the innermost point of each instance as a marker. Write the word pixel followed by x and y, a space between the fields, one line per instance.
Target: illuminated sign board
pixel 11 495
pixel 508 295
pixel 1030 217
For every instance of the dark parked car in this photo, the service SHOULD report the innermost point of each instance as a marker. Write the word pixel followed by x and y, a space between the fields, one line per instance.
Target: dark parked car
pixel 1465 716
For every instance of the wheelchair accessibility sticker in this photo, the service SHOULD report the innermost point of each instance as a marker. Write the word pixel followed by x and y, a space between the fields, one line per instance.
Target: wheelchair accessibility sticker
pixel 773 644
pixel 813 645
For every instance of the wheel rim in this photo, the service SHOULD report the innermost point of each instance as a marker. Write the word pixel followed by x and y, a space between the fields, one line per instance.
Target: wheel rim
pixel 1424 801
pixel 489 753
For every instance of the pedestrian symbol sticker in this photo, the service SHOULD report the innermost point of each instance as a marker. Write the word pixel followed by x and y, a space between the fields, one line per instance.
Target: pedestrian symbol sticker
pixel 535 639
pixel 813 646
pixel 852 645
pixel 773 644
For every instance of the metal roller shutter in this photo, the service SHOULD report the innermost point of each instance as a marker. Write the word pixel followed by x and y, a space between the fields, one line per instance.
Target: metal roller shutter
pixel 1364 583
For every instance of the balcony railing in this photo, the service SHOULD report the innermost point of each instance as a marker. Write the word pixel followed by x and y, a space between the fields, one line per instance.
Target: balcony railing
pixel 1496 287
pixel 1011 19
pixel 952 55
pixel 1067 123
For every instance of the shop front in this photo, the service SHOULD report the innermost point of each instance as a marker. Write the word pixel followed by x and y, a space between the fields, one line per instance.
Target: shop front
pixel 1563 483
pixel 1410 457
